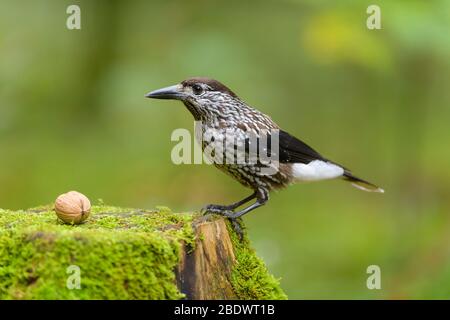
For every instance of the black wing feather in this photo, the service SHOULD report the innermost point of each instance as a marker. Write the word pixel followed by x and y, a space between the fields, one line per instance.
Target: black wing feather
pixel 292 150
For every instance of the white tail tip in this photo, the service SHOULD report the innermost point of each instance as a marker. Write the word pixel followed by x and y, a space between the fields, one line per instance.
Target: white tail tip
pixel 362 187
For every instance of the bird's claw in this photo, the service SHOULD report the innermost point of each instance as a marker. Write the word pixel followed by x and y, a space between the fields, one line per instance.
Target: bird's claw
pixel 237 227
pixel 230 214
pixel 220 211
pixel 213 208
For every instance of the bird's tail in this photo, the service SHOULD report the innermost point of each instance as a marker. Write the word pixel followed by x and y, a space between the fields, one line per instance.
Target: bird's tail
pixel 360 183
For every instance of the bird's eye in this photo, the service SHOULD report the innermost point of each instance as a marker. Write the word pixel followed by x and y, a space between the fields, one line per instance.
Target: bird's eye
pixel 197 89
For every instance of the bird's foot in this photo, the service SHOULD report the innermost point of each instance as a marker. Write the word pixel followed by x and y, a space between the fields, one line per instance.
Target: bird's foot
pixel 237 227
pixel 214 208
pixel 236 223
pixel 222 210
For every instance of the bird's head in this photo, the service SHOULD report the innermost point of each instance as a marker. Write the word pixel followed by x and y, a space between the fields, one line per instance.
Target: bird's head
pixel 202 96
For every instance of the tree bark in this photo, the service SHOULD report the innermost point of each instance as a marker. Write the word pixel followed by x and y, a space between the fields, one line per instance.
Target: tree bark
pixel 205 273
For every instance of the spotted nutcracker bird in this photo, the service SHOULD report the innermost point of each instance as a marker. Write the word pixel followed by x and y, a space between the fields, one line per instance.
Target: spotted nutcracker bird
pixel 219 109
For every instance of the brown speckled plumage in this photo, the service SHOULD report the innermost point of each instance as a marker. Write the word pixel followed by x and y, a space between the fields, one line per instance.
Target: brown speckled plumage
pixel 220 111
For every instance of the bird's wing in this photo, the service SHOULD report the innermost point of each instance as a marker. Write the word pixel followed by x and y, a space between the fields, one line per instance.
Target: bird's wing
pixel 292 150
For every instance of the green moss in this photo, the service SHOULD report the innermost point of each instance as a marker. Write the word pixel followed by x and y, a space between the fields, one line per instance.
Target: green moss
pixel 250 277
pixel 121 253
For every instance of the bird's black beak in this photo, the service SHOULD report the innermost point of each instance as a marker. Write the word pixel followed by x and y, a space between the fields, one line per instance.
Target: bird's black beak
pixel 173 92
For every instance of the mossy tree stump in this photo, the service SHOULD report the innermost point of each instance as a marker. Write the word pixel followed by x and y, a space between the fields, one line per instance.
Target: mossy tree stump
pixel 128 254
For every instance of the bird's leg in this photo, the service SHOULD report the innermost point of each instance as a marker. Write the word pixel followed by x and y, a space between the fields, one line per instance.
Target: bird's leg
pixel 261 195
pixel 216 208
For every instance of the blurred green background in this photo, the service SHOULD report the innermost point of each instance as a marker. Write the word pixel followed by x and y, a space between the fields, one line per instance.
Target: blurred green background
pixel 73 116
